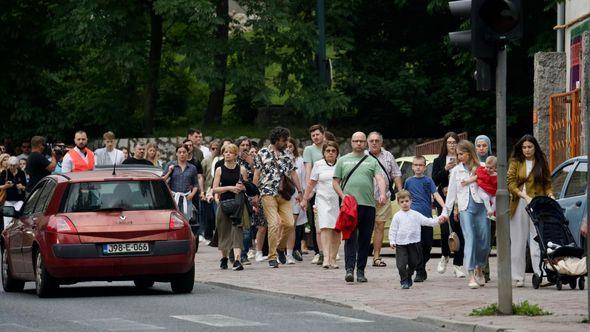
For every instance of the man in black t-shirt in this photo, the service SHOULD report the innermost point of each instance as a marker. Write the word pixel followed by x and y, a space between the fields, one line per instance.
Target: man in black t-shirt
pixel 37 164
pixel 138 157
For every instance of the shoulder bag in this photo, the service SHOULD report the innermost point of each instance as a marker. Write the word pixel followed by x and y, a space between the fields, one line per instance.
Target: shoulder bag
pixel 286 185
pixel 389 180
pixel 345 181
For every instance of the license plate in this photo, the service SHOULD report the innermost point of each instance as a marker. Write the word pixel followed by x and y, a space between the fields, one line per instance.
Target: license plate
pixel 125 248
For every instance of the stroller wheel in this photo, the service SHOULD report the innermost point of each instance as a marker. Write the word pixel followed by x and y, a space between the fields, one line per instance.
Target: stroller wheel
pixel 573 284
pixel 536 281
pixel 559 284
pixel 581 283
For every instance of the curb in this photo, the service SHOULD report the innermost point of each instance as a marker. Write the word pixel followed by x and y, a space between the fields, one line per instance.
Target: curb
pixel 459 326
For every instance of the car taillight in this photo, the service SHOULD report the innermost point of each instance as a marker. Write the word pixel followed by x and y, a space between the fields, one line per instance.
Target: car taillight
pixel 61 224
pixel 176 221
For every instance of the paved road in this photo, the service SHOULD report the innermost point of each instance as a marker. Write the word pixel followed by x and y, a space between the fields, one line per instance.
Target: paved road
pixel 121 307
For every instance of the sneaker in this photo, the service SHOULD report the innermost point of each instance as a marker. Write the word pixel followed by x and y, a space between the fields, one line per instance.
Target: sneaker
pixel 201 238
pixel 321 259
pixel 315 259
pixel 360 276
pixel 223 263
pixel 472 283
pixel 251 254
pixel 419 277
pixel 282 256
pixel 479 278
pixel 297 256
pixel 458 272
pixel 290 259
pixel 519 283
pixel 349 276
pixel 238 266
pixel 246 261
pixel 442 265
pixel 337 257
pixel 259 257
pixel 273 264
pixel 405 285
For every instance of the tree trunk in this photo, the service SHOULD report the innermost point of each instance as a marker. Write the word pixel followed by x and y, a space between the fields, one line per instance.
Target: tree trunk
pixel 217 94
pixel 155 57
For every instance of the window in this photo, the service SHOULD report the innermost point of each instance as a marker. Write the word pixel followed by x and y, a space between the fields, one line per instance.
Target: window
pixel 29 206
pixel 578 180
pixel 125 195
pixel 559 178
pixel 45 196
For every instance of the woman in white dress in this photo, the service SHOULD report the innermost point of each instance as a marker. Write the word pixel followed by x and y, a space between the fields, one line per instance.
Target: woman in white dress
pixel 326 202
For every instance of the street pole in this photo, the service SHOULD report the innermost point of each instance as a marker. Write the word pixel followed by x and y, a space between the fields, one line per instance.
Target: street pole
pixel 587 132
pixel 502 201
pixel 320 11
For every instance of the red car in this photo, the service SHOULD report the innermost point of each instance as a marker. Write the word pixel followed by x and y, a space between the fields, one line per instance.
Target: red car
pixel 97 226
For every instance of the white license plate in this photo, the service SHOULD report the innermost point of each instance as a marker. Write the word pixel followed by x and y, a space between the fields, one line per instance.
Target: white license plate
pixel 125 248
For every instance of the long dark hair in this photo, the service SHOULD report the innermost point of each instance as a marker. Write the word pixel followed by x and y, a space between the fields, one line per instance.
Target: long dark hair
pixel 540 170
pixel 443 149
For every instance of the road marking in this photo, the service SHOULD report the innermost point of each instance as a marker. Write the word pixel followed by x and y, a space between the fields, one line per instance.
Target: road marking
pixel 332 317
pixel 117 324
pixel 218 320
pixel 12 327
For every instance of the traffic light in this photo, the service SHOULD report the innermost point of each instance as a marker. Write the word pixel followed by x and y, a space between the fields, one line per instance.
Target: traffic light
pixel 494 23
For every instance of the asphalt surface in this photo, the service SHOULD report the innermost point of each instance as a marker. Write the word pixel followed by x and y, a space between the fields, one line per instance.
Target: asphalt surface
pixel 119 306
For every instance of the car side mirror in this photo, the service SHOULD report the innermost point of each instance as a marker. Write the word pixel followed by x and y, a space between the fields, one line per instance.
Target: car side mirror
pixel 10 212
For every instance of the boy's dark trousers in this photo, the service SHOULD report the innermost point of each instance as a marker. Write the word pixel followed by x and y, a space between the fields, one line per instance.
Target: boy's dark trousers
pixel 407 257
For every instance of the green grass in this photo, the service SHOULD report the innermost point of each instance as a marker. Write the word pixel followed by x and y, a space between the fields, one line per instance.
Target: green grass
pixel 523 308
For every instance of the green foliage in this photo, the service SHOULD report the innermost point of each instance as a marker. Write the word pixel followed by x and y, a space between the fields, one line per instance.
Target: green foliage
pixel 523 308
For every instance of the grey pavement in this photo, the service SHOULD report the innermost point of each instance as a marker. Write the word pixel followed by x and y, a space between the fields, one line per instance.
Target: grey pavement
pixel 442 300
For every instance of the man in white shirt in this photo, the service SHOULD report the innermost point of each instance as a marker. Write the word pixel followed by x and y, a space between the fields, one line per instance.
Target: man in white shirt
pixel 80 158
pixel 109 155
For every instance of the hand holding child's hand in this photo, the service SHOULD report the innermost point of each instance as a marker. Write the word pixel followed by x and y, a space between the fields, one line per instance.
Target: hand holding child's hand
pixel 392 246
pixel 442 219
pixel 490 214
pixel 464 183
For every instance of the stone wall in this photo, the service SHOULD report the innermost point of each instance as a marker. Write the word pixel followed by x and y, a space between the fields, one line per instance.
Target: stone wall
pixel 167 145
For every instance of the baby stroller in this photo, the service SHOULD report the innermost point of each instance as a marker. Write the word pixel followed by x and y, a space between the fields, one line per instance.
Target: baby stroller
pixel 556 244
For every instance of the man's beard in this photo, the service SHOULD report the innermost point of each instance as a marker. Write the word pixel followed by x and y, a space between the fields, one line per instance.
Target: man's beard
pixel 81 147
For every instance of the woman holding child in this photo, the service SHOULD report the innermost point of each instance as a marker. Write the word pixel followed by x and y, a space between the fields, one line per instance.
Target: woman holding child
pixel 474 223
pixel 528 176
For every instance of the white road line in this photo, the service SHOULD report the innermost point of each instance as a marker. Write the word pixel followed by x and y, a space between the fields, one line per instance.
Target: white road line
pixel 117 324
pixel 331 317
pixel 218 320
pixel 12 327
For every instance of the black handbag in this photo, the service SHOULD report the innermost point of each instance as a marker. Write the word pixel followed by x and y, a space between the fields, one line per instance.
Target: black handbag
pixel 234 207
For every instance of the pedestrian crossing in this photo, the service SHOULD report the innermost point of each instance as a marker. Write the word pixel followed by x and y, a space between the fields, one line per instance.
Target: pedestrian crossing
pixel 209 320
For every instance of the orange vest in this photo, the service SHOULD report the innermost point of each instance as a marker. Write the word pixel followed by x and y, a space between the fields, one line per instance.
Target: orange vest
pixel 79 163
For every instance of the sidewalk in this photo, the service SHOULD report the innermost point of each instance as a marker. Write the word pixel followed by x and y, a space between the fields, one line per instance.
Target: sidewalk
pixel 442 297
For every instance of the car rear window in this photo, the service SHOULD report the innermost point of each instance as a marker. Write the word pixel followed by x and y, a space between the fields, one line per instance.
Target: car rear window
pixel 113 195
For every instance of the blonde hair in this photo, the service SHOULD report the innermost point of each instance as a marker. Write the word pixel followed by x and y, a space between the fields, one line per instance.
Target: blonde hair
pixel 403 194
pixel 109 135
pixel 467 147
pixel 231 148
pixel 492 161
pixel 156 157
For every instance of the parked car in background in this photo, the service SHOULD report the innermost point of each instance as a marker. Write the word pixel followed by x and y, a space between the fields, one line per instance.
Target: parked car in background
pixel 569 181
pixel 95 225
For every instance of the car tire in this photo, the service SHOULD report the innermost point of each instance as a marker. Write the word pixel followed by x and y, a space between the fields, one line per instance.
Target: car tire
pixel 143 283
pixel 184 282
pixel 8 282
pixel 45 284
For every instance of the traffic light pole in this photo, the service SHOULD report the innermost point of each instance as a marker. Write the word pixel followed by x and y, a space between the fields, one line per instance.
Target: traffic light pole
pixel 502 199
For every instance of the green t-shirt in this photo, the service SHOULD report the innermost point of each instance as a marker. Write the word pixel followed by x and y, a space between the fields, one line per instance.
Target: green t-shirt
pixel 312 153
pixel 360 185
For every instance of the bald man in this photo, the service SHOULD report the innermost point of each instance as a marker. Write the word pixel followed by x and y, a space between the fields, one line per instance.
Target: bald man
pixel 360 185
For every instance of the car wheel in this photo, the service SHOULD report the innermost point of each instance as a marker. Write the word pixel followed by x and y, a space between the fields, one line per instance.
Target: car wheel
pixel 45 285
pixel 573 283
pixel 8 282
pixel 184 282
pixel 143 283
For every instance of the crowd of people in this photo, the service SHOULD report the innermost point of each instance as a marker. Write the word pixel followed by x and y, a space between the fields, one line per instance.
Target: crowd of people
pixel 254 203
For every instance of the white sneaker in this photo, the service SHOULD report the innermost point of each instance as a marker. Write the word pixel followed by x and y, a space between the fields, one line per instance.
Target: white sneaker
pixel 290 259
pixel 472 283
pixel 519 283
pixel 458 272
pixel 315 259
pixel 251 254
pixel 259 257
pixel 337 257
pixel 201 238
pixel 442 264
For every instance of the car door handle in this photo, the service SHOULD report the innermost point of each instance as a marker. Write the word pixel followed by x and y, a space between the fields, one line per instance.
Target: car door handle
pixel 579 203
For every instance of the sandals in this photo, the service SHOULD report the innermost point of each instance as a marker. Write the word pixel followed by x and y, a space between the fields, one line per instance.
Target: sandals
pixel 377 262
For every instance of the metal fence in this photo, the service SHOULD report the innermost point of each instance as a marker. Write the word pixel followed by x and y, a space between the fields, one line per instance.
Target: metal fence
pixel 433 147
pixel 565 127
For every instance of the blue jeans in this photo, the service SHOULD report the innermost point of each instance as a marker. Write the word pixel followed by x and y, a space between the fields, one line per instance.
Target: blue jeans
pixel 476 231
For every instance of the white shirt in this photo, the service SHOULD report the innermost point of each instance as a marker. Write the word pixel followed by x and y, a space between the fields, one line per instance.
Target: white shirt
pixel 459 193
pixel 323 174
pixel 206 151
pixel 104 157
pixel 405 227
pixel 529 168
pixel 68 164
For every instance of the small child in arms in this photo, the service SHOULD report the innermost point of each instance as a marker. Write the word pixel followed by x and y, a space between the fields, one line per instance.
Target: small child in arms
pixel 487 181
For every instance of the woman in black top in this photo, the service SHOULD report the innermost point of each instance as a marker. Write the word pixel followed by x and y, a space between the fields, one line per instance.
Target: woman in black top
pixel 14 181
pixel 446 160
pixel 227 183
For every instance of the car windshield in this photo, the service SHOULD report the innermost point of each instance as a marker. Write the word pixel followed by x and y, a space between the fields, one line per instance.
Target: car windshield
pixel 117 196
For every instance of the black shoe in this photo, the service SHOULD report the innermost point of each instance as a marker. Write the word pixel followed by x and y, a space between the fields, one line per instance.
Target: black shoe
pixel 297 256
pixel 360 276
pixel 246 261
pixel 349 276
pixel 238 266
pixel 273 264
pixel 321 260
pixel 419 277
pixel 282 256
pixel 223 264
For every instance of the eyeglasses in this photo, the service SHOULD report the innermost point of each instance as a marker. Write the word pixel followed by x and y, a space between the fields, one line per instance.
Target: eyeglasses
pixel 212 149
pixel 359 141
pixel 330 151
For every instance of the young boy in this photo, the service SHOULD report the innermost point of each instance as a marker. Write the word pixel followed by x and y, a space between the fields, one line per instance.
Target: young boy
pixel 404 237
pixel 487 181
pixel 423 191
